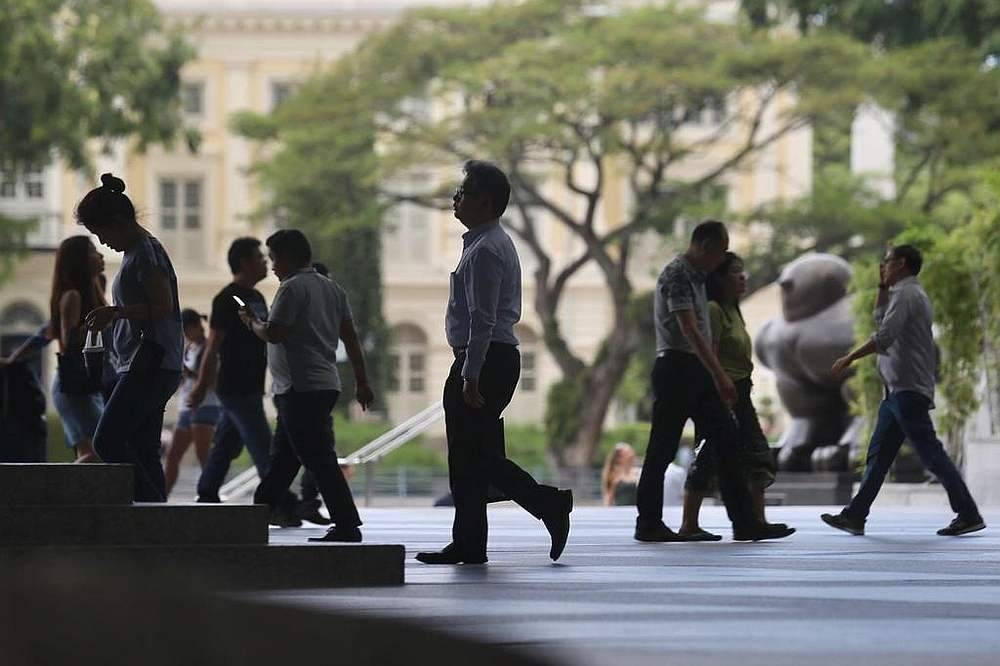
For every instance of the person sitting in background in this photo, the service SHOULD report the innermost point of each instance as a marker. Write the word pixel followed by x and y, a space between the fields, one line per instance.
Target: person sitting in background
pixel 619 478
pixel 193 424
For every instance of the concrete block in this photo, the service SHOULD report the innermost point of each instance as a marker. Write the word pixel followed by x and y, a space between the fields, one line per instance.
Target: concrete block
pixel 134 524
pixel 233 567
pixel 41 484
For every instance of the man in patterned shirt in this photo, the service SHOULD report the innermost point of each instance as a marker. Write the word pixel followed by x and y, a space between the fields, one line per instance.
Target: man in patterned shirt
pixel 689 382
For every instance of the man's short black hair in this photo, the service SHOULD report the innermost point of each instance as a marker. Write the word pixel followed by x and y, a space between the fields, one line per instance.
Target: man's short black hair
pixel 710 230
pixel 291 244
pixel 911 256
pixel 487 178
pixel 240 249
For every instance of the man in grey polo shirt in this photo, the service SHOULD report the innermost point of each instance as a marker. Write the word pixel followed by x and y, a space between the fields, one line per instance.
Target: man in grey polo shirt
pixel 309 317
pixel 907 363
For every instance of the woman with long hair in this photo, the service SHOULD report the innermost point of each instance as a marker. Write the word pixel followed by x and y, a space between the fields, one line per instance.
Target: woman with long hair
pixel 618 478
pixel 75 292
pixel 146 338
pixel 194 424
pixel 734 349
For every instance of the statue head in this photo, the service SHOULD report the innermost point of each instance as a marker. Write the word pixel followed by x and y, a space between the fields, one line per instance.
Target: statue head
pixel 811 284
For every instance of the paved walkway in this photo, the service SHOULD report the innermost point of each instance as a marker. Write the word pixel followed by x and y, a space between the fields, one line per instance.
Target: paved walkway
pixel 900 595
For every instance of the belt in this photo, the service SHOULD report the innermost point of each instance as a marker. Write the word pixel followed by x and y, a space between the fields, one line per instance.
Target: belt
pixel 458 351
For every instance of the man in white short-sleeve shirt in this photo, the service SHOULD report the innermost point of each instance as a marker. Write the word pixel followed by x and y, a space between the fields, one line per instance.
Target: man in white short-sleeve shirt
pixel 309 317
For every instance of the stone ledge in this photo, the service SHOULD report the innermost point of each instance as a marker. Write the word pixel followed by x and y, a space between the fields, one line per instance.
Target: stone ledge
pixel 134 524
pixel 52 484
pixel 232 567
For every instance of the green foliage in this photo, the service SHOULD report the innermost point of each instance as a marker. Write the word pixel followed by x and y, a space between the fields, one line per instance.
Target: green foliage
pixel 528 444
pixel 865 384
pixel 74 71
pixel 888 24
pixel 71 71
pixel 562 411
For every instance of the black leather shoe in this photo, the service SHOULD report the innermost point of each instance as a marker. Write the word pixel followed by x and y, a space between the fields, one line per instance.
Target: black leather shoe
pixel 557 523
pixel 699 535
pixel 844 523
pixel 762 532
pixel 655 533
pixel 340 535
pixel 962 525
pixel 308 510
pixel 449 555
pixel 281 517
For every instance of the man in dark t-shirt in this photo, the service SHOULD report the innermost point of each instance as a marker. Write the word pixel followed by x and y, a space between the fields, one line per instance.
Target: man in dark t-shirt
pixel 235 362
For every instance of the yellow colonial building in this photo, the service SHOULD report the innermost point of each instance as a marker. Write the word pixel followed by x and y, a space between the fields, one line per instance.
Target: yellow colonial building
pixel 251 53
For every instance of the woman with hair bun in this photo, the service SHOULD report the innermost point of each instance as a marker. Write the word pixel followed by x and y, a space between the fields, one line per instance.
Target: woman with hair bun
pixel 146 338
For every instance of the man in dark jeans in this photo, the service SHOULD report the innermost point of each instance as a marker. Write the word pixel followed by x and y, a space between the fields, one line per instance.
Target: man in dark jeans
pixel 689 382
pixel 907 364
pixel 484 305
pixel 309 317
pixel 235 363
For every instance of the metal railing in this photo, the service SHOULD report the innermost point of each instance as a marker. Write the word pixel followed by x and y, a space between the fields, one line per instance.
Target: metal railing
pixel 243 484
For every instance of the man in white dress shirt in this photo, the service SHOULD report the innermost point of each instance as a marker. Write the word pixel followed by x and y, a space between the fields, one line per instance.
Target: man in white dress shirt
pixel 484 305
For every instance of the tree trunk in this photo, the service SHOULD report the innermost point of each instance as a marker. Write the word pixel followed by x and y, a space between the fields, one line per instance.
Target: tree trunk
pixel 576 458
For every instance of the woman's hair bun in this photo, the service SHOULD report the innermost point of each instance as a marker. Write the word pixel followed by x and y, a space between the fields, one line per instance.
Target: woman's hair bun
pixel 110 182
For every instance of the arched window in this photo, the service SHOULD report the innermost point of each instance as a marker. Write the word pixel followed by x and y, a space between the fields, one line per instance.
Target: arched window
pixel 408 360
pixel 529 358
pixel 18 321
pixel 20 317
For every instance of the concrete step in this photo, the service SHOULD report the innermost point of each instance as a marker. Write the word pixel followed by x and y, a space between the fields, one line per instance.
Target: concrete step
pixel 51 484
pixel 232 567
pixel 134 524
pixel 813 488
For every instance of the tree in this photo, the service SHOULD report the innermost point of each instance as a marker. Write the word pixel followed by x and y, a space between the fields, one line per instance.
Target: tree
pixel 887 24
pixel 319 172
pixel 566 102
pixel 72 71
pixel 946 124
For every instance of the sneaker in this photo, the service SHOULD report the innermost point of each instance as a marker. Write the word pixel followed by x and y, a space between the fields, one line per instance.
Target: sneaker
pixel 844 523
pixel 762 532
pixel 283 518
pixel 655 533
pixel 961 526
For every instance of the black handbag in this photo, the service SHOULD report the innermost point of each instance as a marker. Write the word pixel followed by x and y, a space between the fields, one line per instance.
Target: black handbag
pixel 79 375
pixel 73 376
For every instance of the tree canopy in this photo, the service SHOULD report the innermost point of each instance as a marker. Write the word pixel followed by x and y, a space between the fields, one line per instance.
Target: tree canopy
pixel 76 71
pixel 566 102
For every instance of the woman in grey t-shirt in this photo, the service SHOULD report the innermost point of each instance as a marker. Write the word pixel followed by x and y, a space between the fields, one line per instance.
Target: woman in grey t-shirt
pixel 146 338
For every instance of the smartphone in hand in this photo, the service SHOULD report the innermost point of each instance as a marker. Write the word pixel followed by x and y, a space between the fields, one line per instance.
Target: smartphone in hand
pixel 239 301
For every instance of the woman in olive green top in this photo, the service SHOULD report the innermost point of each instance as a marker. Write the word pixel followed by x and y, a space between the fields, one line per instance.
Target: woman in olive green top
pixel 734 349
